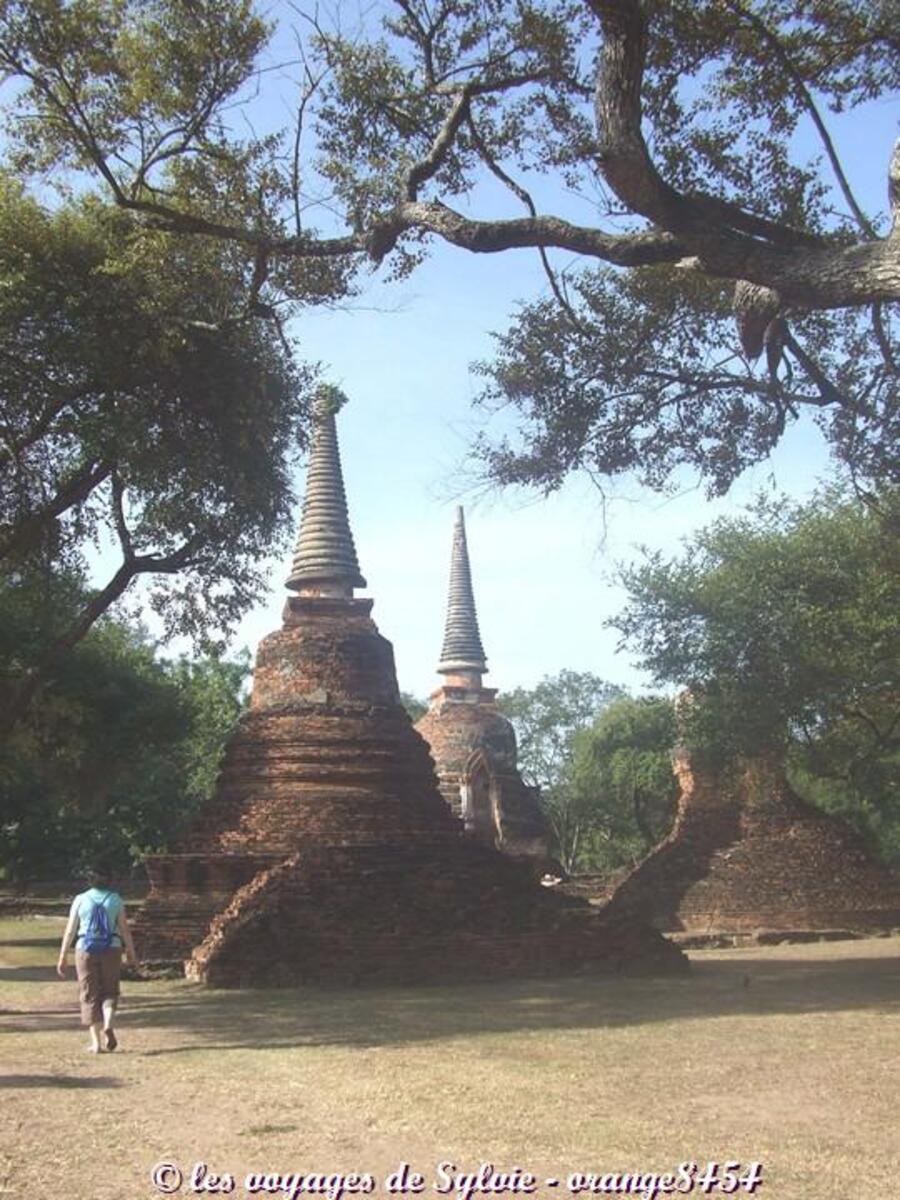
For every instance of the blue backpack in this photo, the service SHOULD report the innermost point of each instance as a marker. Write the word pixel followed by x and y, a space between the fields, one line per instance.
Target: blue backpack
pixel 98 936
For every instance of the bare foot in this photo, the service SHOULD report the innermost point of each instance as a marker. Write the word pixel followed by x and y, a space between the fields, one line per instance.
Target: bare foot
pixel 111 1040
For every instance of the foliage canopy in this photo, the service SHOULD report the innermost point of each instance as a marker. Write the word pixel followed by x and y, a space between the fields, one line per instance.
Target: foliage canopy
pixel 548 719
pixel 138 413
pixel 783 626
pixel 116 756
pixel 657 143
pixel 622 770
pixel 782 622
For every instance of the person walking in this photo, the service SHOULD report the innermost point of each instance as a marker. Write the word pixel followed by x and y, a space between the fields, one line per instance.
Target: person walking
pixel 99 929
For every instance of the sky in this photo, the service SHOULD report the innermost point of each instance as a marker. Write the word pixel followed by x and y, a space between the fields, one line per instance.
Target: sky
pixel 543 569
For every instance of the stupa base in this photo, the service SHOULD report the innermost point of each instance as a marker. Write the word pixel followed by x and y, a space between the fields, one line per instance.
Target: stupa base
pixel 366 915
pixel 750 856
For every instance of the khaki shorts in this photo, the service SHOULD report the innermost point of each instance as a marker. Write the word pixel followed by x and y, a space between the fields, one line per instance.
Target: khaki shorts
pixel 98 976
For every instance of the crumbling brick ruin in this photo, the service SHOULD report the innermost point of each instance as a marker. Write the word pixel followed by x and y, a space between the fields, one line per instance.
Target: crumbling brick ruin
pixel 472 742
pixel 328 855
pixel 749 856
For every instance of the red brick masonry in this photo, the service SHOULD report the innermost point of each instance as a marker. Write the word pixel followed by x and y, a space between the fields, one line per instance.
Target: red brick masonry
pixel 458 730
pixel 752 856
pixel 329 856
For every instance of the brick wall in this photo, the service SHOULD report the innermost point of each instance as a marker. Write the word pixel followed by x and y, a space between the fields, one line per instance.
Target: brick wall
pixel 329 855
pixel 750 855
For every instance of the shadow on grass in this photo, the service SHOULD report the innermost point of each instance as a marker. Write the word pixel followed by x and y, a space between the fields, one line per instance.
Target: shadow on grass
pixel 27 974
pixel 46 941
pixel 210 1020
pixel 193 1019
pixel 58 1081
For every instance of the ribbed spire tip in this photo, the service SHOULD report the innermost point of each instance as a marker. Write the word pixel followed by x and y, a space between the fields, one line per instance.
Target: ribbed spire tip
pixel 462 649
pixel 325 556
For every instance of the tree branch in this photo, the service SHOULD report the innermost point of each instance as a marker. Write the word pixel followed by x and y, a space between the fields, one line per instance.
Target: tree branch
pixel 65 397
pixel 827 390
pixel 525 196
pixel 790 69
pixel 490 237
pixel 427 167
pixel 623 155
pixel 74 491
pixel 724 240
pixel 18 701
pixel 802 275
pixel 118 510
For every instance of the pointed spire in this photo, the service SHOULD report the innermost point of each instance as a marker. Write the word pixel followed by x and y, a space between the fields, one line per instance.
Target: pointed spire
pixel 462 650
pixel 325 557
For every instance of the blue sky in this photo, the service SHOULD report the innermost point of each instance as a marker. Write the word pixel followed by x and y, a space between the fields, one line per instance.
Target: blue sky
pixel 543 568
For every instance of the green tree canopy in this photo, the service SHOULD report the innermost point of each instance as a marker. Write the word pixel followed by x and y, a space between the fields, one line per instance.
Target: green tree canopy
pixel 414 705
pixel 116 756
pixel 548 719
pixel 141 408
pixel 695 136
pixel 783 626
pixel 622 772
pixel 779 622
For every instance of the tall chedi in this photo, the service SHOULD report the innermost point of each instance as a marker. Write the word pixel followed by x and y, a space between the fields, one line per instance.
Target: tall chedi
pixel 472 743
pixel 327 853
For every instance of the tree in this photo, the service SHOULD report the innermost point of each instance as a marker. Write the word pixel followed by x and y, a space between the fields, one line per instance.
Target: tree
pixel 547 719
pixel 852 774
pixel 138 408
pixel 117 755
pixel 622 766
pixel 783 626
pixel 676 124
pixel 212 692
pixel 414 706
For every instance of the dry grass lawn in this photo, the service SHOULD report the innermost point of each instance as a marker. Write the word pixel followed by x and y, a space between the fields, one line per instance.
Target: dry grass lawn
pixel 787 1055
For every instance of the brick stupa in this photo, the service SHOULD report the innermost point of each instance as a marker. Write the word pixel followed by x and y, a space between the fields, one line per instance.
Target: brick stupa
pixel 328 854
pixel 747 856
pixel 472 743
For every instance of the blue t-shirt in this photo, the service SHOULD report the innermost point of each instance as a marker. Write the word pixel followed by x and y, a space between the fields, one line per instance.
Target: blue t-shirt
pixel 111 901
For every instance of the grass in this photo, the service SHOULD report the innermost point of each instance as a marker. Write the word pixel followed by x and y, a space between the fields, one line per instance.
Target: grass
pixel 787 1055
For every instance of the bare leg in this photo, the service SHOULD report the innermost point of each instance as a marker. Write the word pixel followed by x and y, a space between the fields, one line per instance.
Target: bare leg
pixel 96 1027
pixel 109 1012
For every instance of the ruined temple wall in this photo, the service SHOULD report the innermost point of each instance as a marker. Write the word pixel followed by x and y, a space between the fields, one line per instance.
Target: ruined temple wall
pixel 707 818
pixel 325 751
pixel 327 853
pixel 325 755
pixel 328 650
pixel 791 867
pixel 455 731
pixel 337 774
pixel 750 855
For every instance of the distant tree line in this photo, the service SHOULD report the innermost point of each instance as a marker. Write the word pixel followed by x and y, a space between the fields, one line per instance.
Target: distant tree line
pixel 602 760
